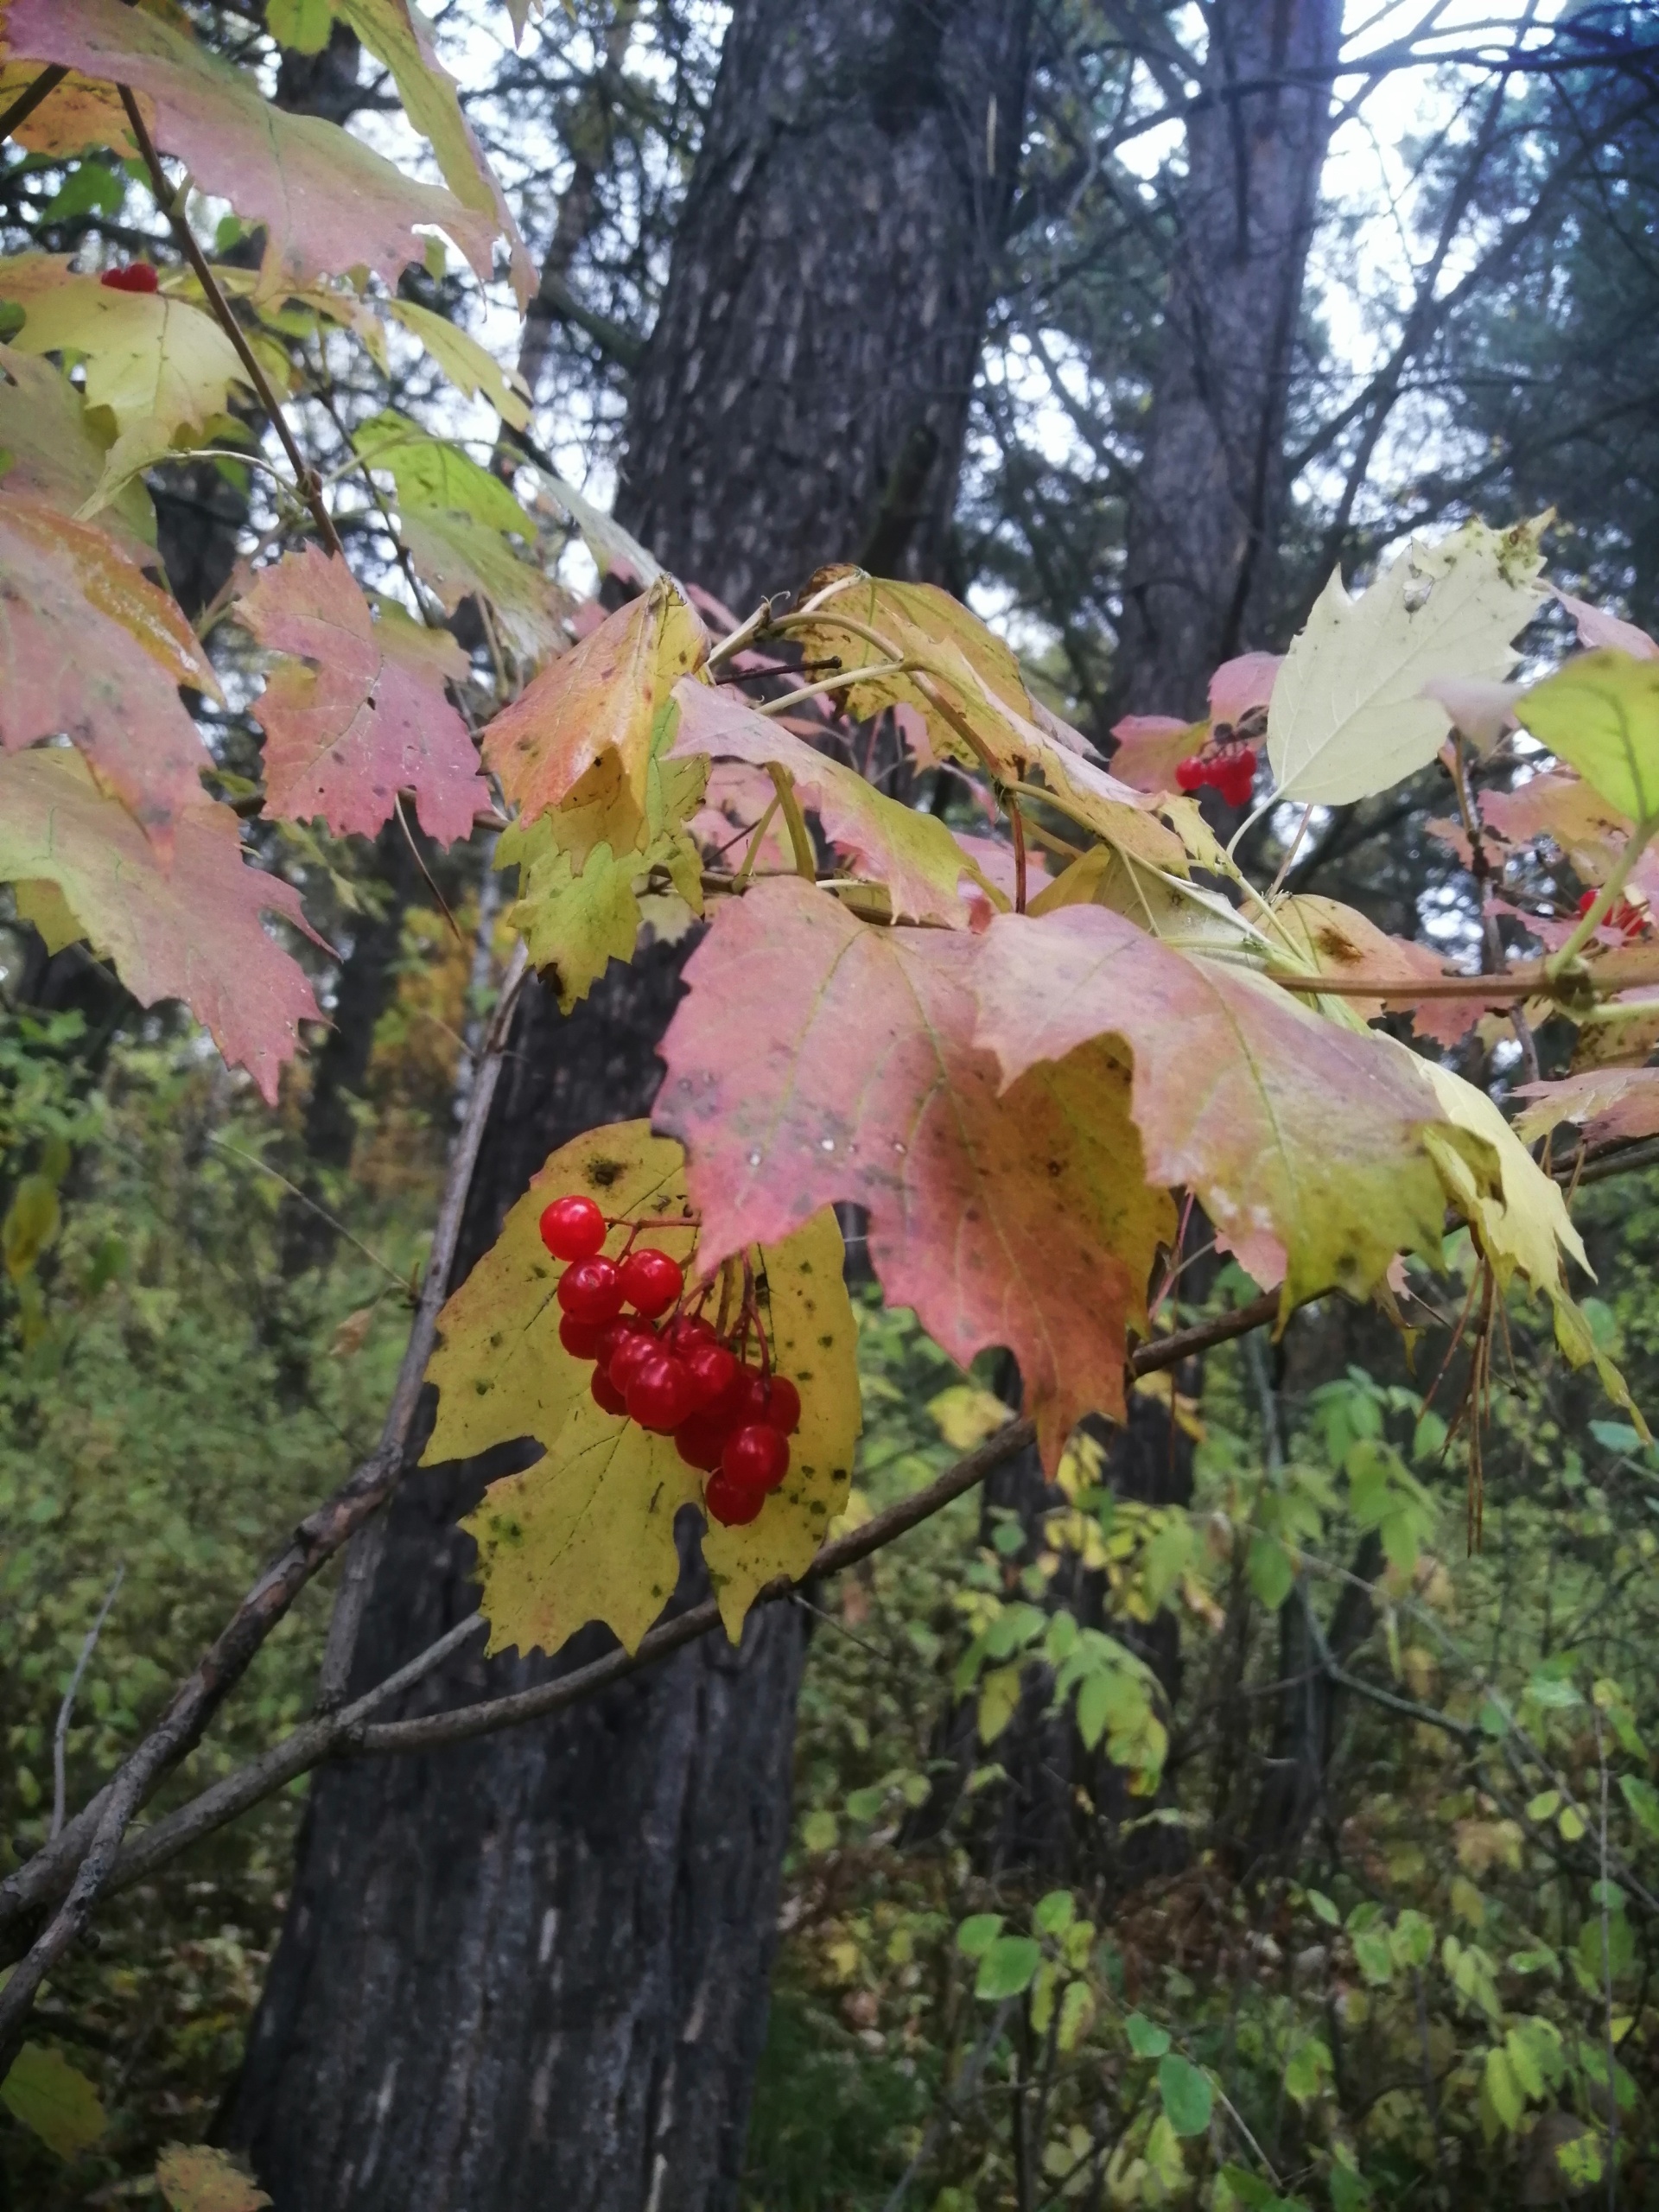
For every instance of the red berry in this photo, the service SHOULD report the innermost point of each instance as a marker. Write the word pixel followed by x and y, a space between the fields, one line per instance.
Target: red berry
pixel 713 1371
pixel 756 1457
pixel 573 1229
pixel 591 1291
pixel 137 276
pixel 686 1331
pixel 780 1405
pixel 605 1393
pixel 628 1351
pixel 700 1440
pixel 730 1503
pixel 650 1281
pixel 580 1338
pixel 1191 775
pixel 660 1393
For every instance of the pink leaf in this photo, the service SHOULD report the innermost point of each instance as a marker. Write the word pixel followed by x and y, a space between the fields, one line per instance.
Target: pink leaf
pixel 1149 747
pixel 1612 1105
pixel 1238 686
pixel 357 711
pixel 1596 628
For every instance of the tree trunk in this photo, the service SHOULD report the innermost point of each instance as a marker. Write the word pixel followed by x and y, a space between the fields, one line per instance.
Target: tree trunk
pixel 534 1973
pixel 804 395
pixel 1209 495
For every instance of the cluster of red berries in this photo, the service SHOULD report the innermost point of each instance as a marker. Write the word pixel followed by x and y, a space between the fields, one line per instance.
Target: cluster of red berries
pixel 1230 768
pixel 667 1369
pixel 137 276
pixel 1628 920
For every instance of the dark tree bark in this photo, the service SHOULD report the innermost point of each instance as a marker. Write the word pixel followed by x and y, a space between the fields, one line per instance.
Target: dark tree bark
pixel 804 395
pixel 535 1975
pixel 1209 496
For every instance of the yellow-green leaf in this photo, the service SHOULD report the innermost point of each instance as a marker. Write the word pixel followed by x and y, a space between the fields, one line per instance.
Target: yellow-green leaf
pixel 587 1533
pixel 193 2178
pixel 1601 712
pixel 48 2095
pixel 465 362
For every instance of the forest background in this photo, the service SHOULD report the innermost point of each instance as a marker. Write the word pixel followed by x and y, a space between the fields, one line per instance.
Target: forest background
pixel 1356 1905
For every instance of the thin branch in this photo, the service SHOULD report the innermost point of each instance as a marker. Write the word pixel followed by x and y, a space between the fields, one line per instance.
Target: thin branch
pixel 26 103
pixel 60 1733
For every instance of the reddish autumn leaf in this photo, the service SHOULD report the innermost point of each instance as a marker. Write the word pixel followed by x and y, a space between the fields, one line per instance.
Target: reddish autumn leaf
pixel 1302 1139
pixel 1611 1105
pixel 1150 747
pixel 816 1058
pixel 329 204
pixel 192 932
pixel 357 711
pixel 1560 805
pixel 91 650
pixel 1596 627
pixel 1331 939
pixel 1243 686
pixel 603 696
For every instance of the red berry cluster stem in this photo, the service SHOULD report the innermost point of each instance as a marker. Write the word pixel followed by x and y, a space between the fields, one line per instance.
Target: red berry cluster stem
pixel 668 1367
pixel 1230 768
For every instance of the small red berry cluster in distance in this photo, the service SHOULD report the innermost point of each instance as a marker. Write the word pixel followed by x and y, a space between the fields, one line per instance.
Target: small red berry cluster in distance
pixel 1230 768
pixel 1630 921
pixel 137 276
pixel 668 1369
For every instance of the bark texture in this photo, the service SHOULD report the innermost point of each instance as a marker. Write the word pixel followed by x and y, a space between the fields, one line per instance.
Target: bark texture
pixel 805 394
pixel 533 1973
pixel 1208 499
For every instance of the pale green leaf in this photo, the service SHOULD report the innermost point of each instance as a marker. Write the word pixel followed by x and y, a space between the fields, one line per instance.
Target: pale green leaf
pixel 50 2098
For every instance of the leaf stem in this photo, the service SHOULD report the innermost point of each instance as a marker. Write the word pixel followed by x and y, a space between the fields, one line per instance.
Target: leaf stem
pixel 305 476
pixel 35 95
pixel 806 860
pixel 831 683
pixel 1592 919
pixel 740 881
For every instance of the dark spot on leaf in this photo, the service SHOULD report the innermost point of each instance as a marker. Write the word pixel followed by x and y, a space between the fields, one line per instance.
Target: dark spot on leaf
pixel 602 1174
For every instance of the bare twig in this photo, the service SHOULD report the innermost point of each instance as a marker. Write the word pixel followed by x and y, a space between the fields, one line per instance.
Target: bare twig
pixel 26 102
pixel 60 1733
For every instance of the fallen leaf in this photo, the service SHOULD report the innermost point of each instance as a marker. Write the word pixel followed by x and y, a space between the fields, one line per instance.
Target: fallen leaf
pixel 328 202
pixel 604 696
pixel 1600 714
pixel 355 710
pixel 1348 715
pixel 193 2178
pixel 815 1058
pixel 587 1533
pixel 192 932
pixel 90 649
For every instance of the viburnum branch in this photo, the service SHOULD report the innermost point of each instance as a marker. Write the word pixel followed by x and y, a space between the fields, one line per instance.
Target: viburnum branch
pixel 806 860
pixel 305 477
pixel 91 1839
pixel 35 96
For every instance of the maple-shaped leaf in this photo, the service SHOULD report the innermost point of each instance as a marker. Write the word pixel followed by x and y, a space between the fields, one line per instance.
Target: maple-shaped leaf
pixel 1348 714
pixel 399 35
pixel 327 203
pixel 1516 1213
pixel 53 2099
pixel 50 452
pixel 91 650
pixel 1150 747
pixel 432 475
pixel 191 930
pixel 1323 938
pixel 577 912
pixel 1302 1139
pixel 587 1533
pixel 1243 686
pixel 816 1058
pixel 603 696
pixel 156 362
pixel 356 711
pixel 912 856
pixel 1164 905
pixel 1560 805
pixel 79 116
pixel 194 2177
pixel 462 558
pixel 1611 1105
pixel 467 365
pixel 1596 627
pixel 1600 714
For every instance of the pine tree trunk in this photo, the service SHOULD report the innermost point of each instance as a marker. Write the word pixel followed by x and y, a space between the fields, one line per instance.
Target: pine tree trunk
pixel 533 1973
pixel 1209 495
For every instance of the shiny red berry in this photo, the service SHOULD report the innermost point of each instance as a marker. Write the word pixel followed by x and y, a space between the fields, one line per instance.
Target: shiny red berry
pixel 650 1281
pixel 580 1339
pixel 730 1503
pixel 605 1393
pixel 137 276
pixel 713 1371
pixel 686 1331
pixel 700 1440
pixel 629 1349
pixel 573 1229
pixel 756 1457
pixel 591 1291
pixel 659 1393
pixel 1191 775
pixel 780 1405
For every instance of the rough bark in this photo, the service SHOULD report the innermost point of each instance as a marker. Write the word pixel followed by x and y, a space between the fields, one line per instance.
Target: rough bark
pixel 1209 495
pixel 535 1973
pixel 805 394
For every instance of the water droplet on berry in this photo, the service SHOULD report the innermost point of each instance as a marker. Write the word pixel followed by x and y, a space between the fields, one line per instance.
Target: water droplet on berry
pixel 755 1159
pixel 898 1147
pixel 826 1144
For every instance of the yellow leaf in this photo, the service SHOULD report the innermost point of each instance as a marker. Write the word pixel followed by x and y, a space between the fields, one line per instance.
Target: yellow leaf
pixel 350 1336
pixel 999 1699
pixel 48 2095
pixel 965 1416
pixel 1601 713
pixel 196 2179
pixel 587 1533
